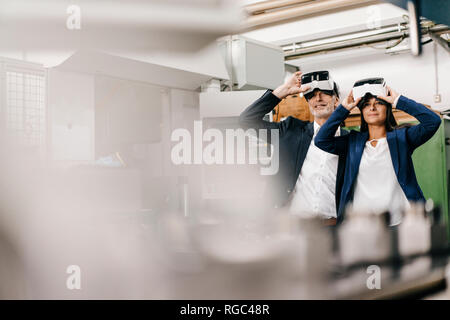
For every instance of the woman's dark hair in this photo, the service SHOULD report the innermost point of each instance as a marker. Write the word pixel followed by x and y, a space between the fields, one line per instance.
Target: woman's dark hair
pixel 390 122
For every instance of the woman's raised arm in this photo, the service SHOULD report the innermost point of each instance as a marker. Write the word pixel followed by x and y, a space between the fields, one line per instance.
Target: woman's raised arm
pixel 326 139
pixel 429 121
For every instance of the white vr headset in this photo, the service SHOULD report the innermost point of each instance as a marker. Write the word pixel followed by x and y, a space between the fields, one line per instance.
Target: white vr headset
pixel 317 80
pixel 374 86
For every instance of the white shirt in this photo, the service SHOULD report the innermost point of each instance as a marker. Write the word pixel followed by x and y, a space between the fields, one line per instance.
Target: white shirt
pixel 377 189
pixel 314 192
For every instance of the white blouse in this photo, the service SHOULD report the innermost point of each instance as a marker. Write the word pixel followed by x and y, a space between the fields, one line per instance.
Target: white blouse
pixel 377 189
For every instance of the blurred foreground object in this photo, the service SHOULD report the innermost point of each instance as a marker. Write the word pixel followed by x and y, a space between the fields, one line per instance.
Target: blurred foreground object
pixel 110 24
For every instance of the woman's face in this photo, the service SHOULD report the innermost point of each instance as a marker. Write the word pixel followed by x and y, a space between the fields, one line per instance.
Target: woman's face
pixel 374 112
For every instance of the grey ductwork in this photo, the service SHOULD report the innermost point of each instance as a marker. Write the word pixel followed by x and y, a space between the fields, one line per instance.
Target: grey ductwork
pixel 252 64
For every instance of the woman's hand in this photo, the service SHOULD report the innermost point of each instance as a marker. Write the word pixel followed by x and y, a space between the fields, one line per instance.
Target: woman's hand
pixel 292 86
pixel 391 96
pixel 349 103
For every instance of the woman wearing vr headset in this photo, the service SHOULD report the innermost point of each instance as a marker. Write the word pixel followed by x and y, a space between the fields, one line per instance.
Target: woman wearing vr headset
pixel 379 173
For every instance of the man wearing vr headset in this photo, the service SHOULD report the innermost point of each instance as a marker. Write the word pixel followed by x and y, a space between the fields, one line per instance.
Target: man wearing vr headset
pixel 309 180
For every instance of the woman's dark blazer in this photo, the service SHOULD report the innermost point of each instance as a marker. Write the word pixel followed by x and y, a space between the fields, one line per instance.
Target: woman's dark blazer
pixel 402 143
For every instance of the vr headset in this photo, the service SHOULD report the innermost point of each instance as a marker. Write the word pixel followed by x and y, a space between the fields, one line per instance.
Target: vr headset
pixel 375 86
pixel 320 80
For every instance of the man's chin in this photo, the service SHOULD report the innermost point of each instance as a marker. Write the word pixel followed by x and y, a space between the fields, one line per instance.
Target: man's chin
pixel 322 114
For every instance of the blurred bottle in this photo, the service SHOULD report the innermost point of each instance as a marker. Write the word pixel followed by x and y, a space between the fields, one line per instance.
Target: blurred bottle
pixel 439 238
pixel 415 231
pixel 364 237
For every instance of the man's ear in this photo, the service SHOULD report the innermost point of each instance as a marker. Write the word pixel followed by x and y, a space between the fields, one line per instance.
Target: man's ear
pixel 336 102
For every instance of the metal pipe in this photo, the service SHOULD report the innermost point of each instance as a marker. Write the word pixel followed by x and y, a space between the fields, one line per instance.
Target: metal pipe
pixel 436 73
pixel 443 43
pixel 358 42
pixel 414 28
pixel 359 34
pixel 346 44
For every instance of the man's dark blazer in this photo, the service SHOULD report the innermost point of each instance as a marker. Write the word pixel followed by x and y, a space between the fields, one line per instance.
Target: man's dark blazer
pixel 402 143
pixel 294 140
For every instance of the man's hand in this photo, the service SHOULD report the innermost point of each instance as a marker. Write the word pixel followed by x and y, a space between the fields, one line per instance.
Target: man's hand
pixel 292 86
pixel 391 97
pixel 349 103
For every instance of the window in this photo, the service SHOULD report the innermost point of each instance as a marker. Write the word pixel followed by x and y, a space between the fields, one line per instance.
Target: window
pixel 24 114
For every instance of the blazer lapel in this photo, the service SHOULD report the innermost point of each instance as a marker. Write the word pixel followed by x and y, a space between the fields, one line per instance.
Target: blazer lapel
pixel 391 138
pixel 359 149
pixel 304 143
pixel 310 129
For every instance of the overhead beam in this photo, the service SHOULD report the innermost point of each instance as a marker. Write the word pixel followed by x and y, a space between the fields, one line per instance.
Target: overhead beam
pixel 301 10
pixel 260 7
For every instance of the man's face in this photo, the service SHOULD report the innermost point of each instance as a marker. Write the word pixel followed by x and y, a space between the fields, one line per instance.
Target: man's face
pixel 322 105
